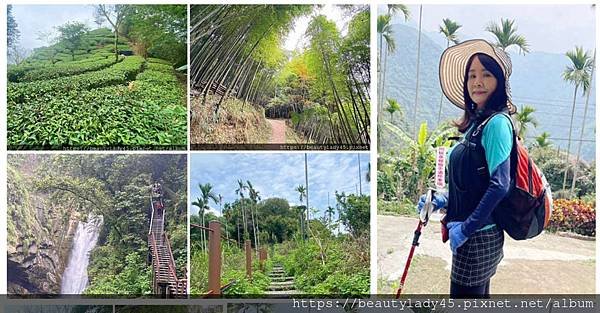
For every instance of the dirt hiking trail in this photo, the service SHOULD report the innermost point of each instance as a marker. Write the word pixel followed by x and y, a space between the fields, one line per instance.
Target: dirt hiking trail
pixel 549 263
pixel 277 131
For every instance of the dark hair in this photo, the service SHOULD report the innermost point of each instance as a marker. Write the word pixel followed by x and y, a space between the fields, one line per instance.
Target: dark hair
pixel 497 101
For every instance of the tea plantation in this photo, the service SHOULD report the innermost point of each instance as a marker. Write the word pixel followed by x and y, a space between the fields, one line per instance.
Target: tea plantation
pixel 95 100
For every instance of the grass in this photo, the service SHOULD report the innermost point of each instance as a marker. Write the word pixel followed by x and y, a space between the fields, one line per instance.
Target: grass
pixel 397 208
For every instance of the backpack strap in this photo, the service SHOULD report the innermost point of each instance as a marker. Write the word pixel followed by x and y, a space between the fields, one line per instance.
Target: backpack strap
pixel 481 126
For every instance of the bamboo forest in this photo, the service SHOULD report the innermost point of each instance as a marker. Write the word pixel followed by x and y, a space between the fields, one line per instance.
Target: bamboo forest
pixel 252 234
pixel 250 85
pixel 97 224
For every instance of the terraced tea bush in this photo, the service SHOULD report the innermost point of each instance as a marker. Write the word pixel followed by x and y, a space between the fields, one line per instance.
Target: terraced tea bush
pixel 160 67
pixel 159 61
pixel 155 76
pixel 15 72
pixel 113 75
pixel 67 69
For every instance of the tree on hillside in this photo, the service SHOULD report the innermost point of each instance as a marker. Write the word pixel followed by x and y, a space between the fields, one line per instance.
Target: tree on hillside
pixel 354 213
pixel 449 30
pixel 418 72
pixel 158 30
pixel 254 196
pixel 585 112
pixel 71 36
pixel 384 28
pixel 98 20
pixel 15 53
pixel 578 74
pixel 114 14
pixel 12 32
pixel 301 194
pixel 524 118
pixel 199 203
pixel 207 194
pixel 330 211
pixel 506 35
pixel 51 40
pixel 542 141
pixel 240 191
pixel 392 107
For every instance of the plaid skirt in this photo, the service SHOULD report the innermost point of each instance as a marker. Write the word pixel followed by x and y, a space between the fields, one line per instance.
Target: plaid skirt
pixel 476 261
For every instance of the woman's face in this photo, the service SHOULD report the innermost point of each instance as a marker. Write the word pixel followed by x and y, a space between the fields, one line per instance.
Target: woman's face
pixel 481 84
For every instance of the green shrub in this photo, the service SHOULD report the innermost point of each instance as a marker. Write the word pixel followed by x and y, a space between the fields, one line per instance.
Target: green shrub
pixel 334 270
pixel 241 285
pixel 160 67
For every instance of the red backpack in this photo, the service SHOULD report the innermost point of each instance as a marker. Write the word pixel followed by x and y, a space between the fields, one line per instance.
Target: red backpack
pixel 526 209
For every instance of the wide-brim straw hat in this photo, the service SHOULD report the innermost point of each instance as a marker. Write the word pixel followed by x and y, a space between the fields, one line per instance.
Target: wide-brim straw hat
pixel 453 64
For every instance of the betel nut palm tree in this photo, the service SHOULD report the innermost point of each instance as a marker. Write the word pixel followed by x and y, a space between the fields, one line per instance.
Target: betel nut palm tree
pixel 392 10
pixel 448 29
pixel 240 191
pixel 207 194
pixel 301 193
pixel 524 118
pixel 506 35
pixel 578 74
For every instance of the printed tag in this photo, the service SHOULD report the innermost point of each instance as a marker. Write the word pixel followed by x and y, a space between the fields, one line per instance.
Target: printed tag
pixel 440 168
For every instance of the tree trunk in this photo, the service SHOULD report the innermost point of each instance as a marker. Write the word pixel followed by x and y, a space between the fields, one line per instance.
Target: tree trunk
pixel 418 61
pixel 243 63
pixel 442 95
pixel 564 185
pixel 116 44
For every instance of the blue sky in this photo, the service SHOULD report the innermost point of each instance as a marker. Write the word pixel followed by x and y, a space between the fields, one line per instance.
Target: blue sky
pixel 278 175
pixel 547 28
pixel 31 19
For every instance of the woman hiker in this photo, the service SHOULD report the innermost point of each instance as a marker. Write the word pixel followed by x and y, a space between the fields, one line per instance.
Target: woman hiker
pixel 474 76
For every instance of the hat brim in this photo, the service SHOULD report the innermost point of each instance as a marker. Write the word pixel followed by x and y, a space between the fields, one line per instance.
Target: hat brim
pixel 453 63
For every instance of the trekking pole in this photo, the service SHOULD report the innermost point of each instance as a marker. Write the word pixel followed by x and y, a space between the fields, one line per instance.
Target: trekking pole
pixel 426 211
pixel 423 219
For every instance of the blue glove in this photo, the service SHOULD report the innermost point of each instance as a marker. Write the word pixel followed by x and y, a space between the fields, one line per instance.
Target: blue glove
pixel 457 237
pixel 439 201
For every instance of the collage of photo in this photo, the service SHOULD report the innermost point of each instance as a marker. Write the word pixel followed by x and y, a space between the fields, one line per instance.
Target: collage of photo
pixel 224 156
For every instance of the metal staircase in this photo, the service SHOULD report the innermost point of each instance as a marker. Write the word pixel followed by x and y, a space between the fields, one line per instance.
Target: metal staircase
pixel 164 279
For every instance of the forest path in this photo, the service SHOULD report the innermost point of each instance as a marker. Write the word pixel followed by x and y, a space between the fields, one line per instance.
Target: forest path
pixel 547 263
pixel 277 131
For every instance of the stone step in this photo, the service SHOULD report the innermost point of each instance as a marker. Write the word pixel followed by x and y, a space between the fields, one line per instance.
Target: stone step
pixel 282 278
pixel 281 287
pixel 282 293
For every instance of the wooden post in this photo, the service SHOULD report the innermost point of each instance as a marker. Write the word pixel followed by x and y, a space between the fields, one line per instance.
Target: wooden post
pixel 214 257
pixel 263 258
pixel 248 259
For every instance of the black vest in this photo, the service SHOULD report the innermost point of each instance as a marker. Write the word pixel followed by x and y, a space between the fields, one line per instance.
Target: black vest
pixel 468 175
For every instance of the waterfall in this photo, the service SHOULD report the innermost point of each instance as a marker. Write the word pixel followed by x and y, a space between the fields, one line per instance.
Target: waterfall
pixel 75 278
